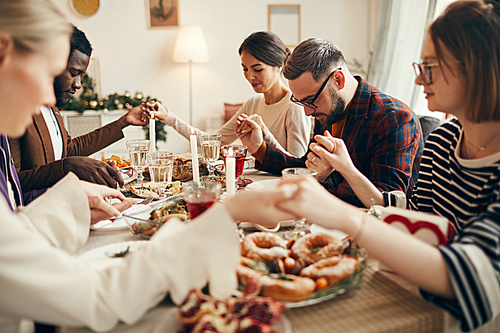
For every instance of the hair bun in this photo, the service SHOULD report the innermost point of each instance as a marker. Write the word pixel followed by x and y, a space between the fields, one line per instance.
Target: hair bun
pixel 495 4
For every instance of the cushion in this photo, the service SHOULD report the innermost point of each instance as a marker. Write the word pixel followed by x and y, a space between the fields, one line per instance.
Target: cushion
pixel 428 124
pixel 230 110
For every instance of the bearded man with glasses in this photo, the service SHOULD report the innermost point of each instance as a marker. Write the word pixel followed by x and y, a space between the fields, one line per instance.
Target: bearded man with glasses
pixel 378 134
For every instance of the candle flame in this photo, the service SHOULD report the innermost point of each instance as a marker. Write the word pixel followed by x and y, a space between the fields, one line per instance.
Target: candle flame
pixel 192 131
pixel 230 152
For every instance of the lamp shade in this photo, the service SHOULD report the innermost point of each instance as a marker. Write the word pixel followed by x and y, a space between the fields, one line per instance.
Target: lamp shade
pixel 190 45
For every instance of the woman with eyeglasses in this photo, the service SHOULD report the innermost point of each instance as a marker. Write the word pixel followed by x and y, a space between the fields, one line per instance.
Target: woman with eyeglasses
pixel 459 177
pixel 284 124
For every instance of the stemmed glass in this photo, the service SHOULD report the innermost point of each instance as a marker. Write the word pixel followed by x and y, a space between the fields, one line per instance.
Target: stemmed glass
pixel 160 169
pixel 299 229
pixel 138 150
pixel 210 147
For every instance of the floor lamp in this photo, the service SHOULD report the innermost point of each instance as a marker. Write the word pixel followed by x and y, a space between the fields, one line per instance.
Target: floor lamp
pixel 190 46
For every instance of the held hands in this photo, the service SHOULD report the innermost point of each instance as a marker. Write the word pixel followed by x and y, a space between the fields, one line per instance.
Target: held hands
pixel 313 202
pixel 93 171
pixel 155 110
pixel 328 154
pixel 136 116
pixel 100 209
pixel 266 211
pixel 249 132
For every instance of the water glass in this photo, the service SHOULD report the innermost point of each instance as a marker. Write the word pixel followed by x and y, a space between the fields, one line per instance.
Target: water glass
pixel 160 169
pixel 138 150
pixel 210 147
pixel 200 196
pixel 299 229
pixel 239 153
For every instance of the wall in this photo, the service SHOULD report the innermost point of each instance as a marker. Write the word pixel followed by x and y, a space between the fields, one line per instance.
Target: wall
pixel 136 59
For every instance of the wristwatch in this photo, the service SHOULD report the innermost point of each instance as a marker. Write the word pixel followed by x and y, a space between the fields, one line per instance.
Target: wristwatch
pixel 84 8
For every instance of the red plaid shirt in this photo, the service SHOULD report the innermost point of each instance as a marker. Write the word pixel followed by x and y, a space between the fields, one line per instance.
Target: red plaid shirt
pixel 383 137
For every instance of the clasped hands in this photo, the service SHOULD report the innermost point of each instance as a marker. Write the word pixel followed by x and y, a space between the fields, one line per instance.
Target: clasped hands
pixel 327 155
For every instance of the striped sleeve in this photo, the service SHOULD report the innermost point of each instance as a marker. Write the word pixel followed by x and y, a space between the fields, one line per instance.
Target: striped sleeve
pixel 473 262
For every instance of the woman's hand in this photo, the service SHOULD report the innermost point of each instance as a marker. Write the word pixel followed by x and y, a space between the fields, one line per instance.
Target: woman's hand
pixel 261 206
pixel 313 202
pixel 242 125
pixel 100 209
pixel 249 132
pixel 156 110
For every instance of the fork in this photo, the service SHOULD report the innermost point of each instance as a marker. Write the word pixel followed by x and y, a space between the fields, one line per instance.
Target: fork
pixel 147 200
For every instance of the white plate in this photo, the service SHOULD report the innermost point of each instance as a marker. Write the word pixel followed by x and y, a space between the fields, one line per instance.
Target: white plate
pixel 263 184
pixel 102 252
pixel 315 229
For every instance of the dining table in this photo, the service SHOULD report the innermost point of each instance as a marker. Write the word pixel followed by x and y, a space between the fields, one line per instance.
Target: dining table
pixel 381 302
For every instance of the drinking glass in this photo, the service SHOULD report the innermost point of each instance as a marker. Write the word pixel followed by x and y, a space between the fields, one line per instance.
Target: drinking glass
pixel 138 150
pixel 160 168
pixel 239 153
pixel 200 196
pixel 210 147
pixel 299 229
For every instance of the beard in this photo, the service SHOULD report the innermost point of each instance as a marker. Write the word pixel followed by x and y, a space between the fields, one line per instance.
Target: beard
pixel 336 112
pixel 60 102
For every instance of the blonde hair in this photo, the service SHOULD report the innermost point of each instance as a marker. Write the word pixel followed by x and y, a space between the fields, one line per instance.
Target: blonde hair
pixel 32 23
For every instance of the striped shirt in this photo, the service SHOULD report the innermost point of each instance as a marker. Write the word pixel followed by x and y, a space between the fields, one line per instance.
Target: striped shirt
pixel 467 193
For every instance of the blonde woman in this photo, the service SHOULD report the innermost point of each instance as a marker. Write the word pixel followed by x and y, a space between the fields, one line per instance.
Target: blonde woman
pixel 39 278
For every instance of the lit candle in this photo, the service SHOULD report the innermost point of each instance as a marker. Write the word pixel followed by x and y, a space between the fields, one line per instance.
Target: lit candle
pixel 152 134
pixel 230 173
pixel 194 156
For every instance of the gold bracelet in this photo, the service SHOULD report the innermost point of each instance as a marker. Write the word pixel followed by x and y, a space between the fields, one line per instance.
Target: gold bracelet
pixel 360 230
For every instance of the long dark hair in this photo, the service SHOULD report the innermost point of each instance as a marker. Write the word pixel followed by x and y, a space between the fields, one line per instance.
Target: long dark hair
pixel 267 47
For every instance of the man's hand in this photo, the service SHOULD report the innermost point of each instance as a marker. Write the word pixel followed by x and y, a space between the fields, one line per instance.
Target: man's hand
pixel 100 209
pixel 249 132
pixel 156 110
pixel 137 116
pixel 92 170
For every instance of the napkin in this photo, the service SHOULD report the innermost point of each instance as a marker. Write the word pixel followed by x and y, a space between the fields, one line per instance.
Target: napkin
pixel 432 229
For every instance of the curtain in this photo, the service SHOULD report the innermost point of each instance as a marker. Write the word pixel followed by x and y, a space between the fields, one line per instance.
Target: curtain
pixel 398 44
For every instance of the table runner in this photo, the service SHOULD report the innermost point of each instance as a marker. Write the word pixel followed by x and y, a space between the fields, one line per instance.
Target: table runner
pixel 377 305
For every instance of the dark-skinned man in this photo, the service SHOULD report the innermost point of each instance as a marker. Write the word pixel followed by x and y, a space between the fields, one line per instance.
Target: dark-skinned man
pixel 46 153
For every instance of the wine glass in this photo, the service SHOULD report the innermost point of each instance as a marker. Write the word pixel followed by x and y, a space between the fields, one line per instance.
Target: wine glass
pixel 200 196
pixel 160 169
pixel 138 150
pixel 210 147
pixel 239 153
pixel 299 229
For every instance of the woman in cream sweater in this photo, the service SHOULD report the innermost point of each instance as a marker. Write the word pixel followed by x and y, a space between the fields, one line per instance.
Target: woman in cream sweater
pixel 284 124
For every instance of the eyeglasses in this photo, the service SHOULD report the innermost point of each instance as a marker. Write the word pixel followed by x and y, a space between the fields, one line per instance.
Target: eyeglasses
pixel 310 104
pixel 425 71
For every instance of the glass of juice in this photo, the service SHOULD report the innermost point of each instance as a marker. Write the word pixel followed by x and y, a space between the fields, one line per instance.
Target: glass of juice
pixel 239 153
pixel 138 151
pixel 160 169
pixel 200 196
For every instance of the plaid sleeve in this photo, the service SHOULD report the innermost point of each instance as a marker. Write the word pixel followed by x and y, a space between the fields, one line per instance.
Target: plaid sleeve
pixel 275 160
pixel 396 152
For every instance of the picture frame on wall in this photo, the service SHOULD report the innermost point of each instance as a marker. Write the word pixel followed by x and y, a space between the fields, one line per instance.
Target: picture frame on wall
pixel 284 20
pixel 162 14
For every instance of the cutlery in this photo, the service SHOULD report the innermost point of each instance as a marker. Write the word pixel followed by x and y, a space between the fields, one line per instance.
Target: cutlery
pixel 147 200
